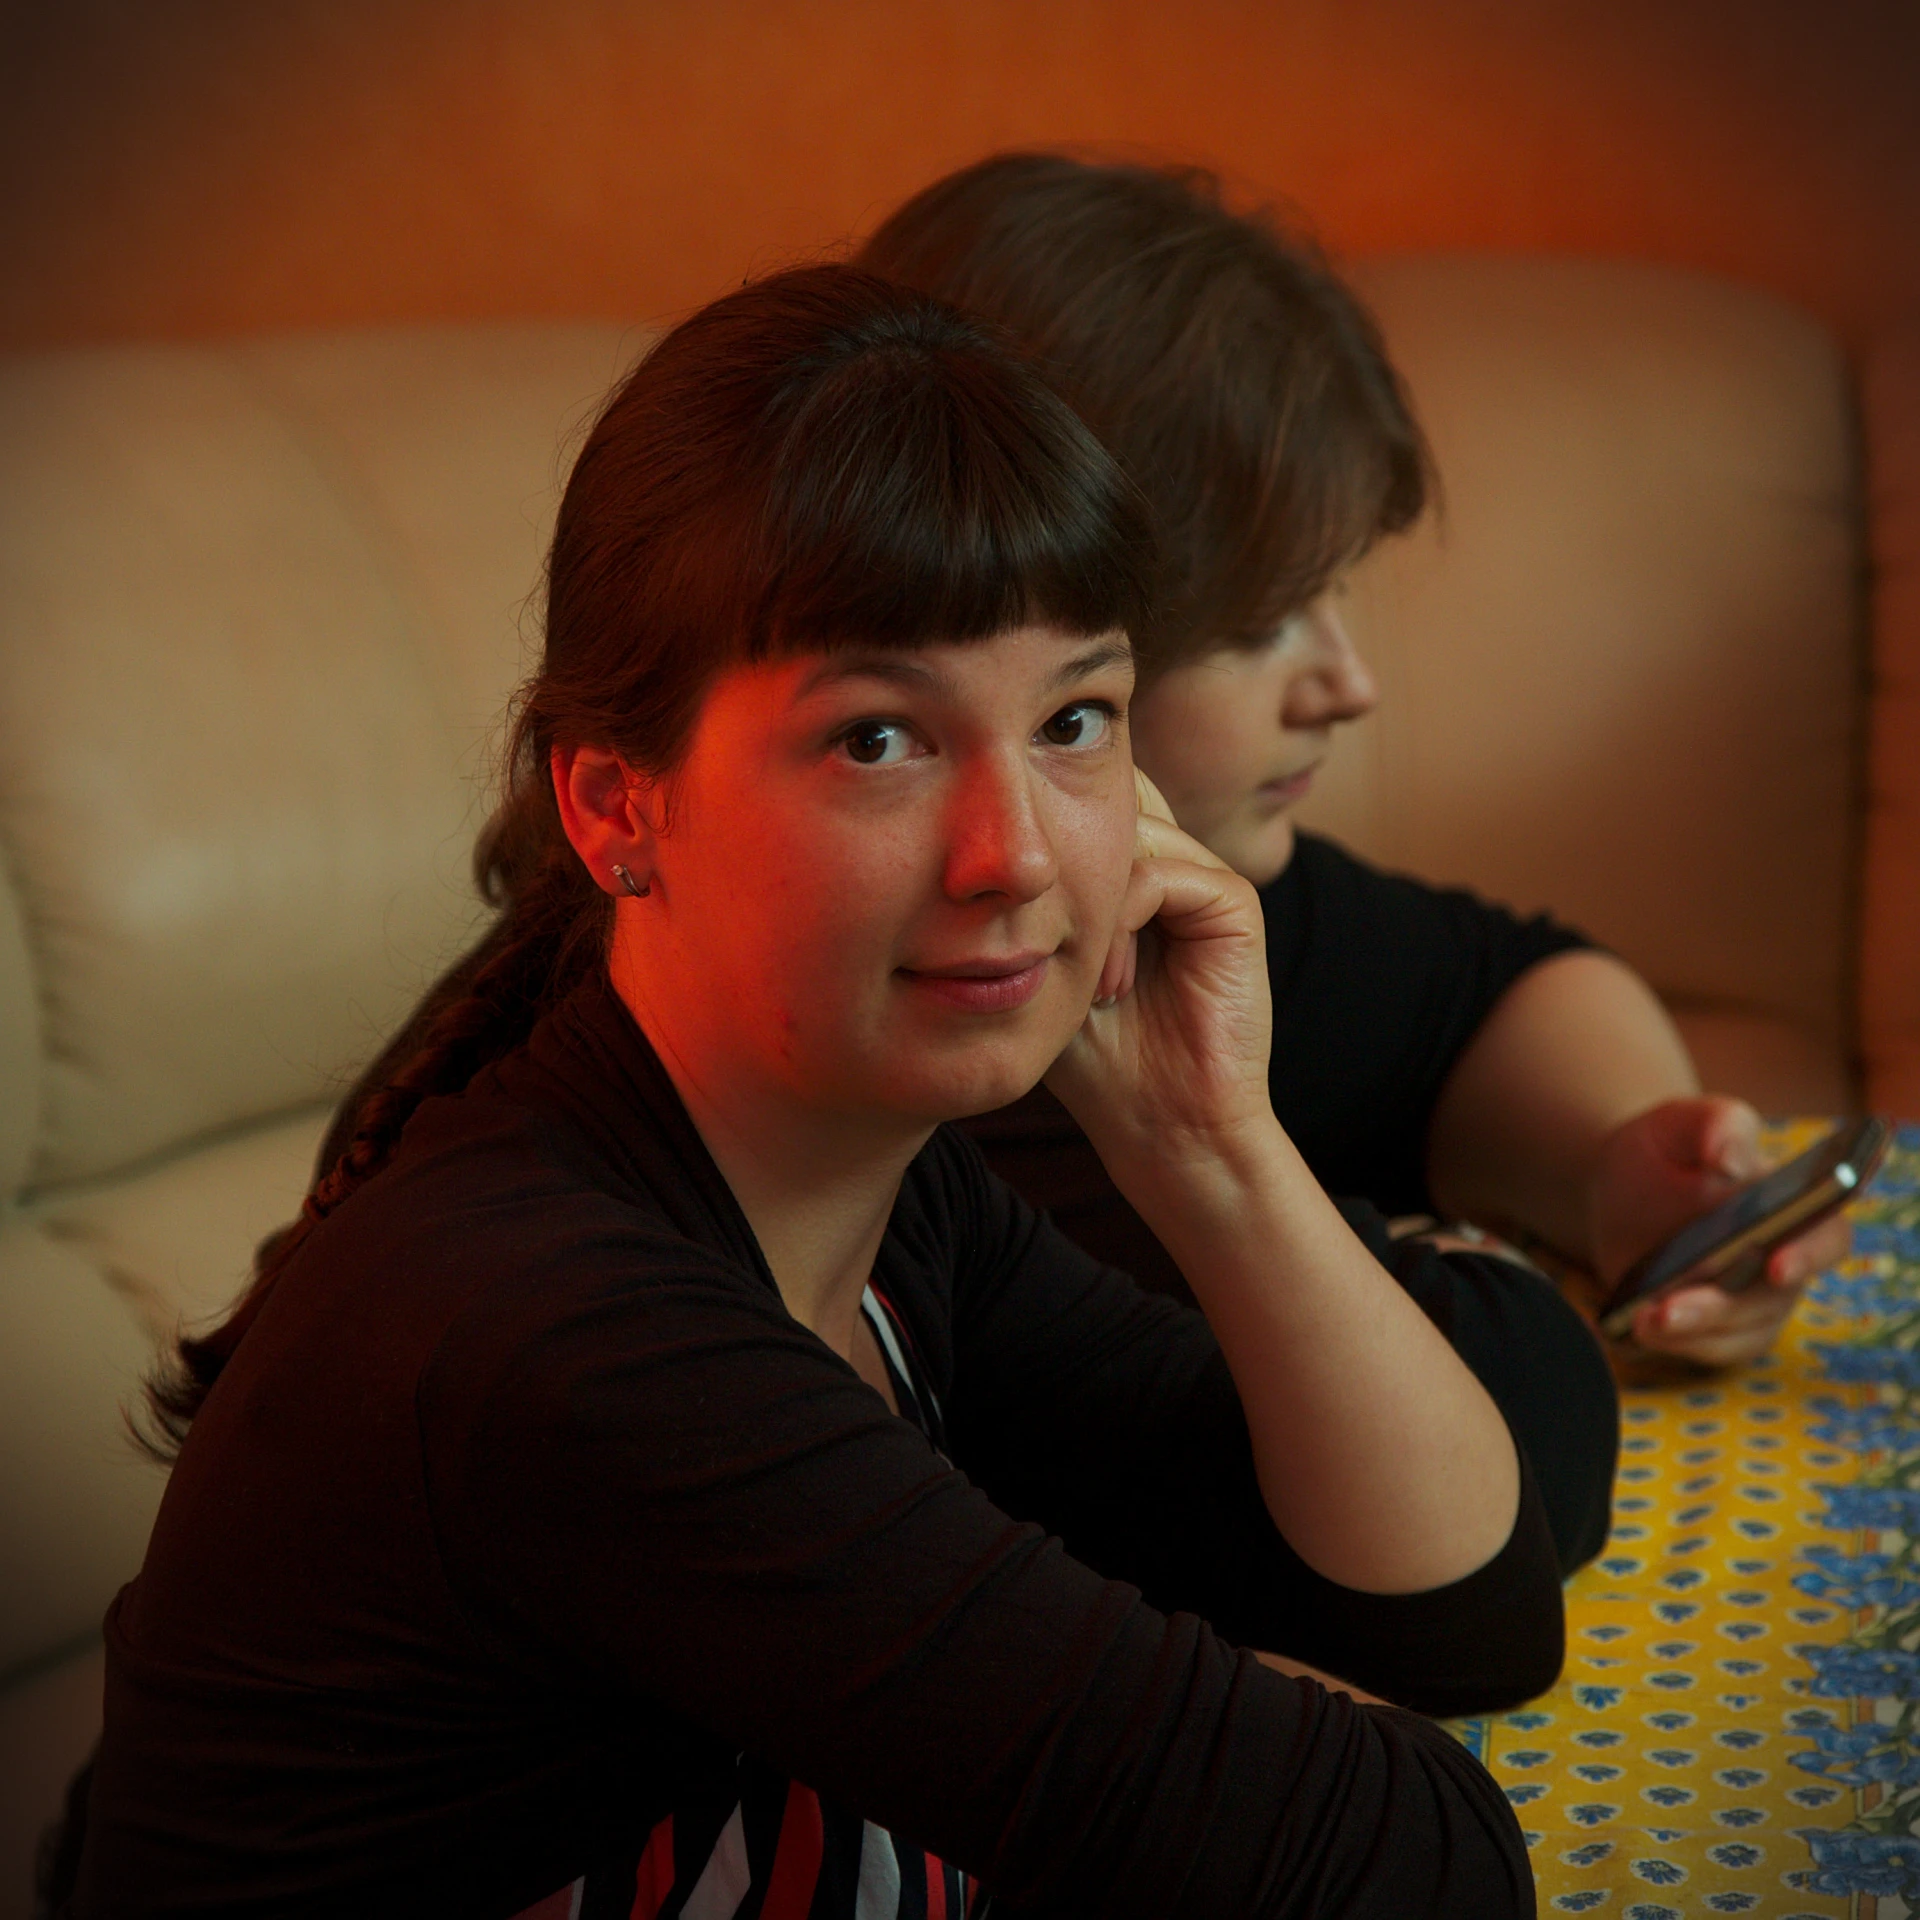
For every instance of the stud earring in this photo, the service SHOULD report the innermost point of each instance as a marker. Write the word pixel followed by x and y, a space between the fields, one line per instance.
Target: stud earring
pixel 635 888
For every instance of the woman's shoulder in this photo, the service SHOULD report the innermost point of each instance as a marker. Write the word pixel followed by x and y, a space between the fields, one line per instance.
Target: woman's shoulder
pixel 496 1278
pixel 499 1237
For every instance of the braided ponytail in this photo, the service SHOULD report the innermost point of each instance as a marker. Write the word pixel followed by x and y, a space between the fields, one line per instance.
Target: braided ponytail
pixel 819 460
pixel 540 947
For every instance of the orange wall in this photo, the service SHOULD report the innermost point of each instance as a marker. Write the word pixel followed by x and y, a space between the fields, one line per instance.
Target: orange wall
pixel 185 166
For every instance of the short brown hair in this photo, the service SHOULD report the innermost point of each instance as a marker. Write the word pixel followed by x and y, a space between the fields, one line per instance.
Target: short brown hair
pixel 1219 356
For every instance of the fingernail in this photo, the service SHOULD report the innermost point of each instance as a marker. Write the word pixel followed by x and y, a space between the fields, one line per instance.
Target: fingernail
pixel 1106 1002
pixel 1683 1315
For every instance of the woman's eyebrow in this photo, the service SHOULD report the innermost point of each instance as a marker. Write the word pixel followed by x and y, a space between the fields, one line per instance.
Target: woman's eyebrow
pixel 872 666
pixel 899 670
pixel 1110 652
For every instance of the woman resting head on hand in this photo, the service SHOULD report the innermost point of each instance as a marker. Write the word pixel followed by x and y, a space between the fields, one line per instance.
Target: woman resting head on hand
pixel 662 1470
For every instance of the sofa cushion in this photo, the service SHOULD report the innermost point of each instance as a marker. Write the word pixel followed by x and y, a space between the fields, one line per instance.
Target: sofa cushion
pixel 176 1244
pixel 89 1291
pixel 234 814
pixel 459 440
pixel 76 1500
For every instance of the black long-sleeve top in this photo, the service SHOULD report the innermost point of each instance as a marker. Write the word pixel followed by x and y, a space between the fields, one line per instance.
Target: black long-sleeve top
pixel 524 1505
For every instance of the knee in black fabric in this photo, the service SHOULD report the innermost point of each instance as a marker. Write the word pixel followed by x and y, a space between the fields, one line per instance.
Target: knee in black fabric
pixel 1545 1370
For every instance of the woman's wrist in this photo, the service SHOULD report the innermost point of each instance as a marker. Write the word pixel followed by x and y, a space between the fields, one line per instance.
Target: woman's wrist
pixel 1242 1215
pixel 1189 1180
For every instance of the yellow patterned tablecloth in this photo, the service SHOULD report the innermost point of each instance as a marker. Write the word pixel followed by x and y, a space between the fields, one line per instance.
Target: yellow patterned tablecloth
pixel 1734 1732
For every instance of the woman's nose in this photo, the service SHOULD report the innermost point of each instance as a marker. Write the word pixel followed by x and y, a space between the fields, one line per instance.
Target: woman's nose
pixel 998 844
pixel 1332 682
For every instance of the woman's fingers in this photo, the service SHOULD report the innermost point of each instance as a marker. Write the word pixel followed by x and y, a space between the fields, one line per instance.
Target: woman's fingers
pixel 1184 901
pixel 1729 1137
pixel 1158 837
pixel 1825 1246
pixel 1162 840
pixel 1116 974
pixel 1188 900
pixel 1150 800
pixel 1711 1327
pixel 1152 891
pixel 1179 1031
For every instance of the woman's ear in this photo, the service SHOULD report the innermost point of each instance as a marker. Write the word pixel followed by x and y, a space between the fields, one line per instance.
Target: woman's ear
pixel 604 807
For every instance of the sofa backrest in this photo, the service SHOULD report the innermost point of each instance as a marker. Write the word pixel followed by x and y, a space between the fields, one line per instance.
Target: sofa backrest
pixel 260 605
pixel 1622 667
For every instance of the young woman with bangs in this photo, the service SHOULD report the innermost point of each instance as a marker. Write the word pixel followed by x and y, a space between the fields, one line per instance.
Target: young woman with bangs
pixel 662 1472
pixel 1433 1054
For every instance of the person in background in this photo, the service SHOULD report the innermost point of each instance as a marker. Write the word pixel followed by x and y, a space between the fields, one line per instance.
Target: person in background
pixel 662 1471
pixel 1433 1053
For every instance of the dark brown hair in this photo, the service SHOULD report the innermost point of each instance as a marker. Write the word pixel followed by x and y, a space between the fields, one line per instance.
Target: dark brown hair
pixel 819 460
pixel 1243 386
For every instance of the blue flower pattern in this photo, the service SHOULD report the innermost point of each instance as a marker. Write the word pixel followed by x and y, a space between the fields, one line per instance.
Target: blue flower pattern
pixel 1877 1668
pixel 1849 1860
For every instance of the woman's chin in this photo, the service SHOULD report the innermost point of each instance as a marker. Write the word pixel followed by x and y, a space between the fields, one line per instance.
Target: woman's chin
pixel 988 1087
pixel 991 1073
pixel 952 1068
pixel 1261 850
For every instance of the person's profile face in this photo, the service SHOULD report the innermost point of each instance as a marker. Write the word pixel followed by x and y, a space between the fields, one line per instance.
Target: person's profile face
pixel 894 874
pixel 1233 738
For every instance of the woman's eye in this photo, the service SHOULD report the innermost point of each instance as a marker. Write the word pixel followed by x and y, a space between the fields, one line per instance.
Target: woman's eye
pixel 876 743
pixel 1084 725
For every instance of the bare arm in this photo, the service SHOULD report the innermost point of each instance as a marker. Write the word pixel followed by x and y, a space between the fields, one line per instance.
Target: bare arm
pixel 1380 1456
pixel 1574 1049
pixel 1575 1115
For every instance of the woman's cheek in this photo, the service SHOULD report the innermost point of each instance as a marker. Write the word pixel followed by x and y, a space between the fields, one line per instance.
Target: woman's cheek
pixel 1109 865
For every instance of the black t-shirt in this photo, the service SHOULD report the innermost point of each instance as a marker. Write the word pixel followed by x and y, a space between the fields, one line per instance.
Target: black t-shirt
pixel 1379 982
pixel 524 1507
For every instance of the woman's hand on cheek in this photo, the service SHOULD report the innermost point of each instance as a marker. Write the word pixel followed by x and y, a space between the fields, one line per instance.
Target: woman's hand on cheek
pixel 1175 1047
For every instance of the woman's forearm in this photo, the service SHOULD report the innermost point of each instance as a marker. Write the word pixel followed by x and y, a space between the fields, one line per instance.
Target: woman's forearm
pixel 1381 1458
pixel 1575 1048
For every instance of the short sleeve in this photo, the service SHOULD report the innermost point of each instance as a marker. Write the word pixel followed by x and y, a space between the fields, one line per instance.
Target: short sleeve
pixel 1379 984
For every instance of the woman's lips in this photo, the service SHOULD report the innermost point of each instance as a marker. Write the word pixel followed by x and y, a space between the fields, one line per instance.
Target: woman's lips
pixel 1295 786
pixel 984 986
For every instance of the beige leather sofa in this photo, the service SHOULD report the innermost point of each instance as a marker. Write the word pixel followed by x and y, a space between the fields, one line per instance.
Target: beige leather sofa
pixel 260 603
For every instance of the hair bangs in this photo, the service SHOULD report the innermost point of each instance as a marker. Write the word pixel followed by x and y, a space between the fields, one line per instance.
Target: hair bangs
pixel 822 459
pixel 915 499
